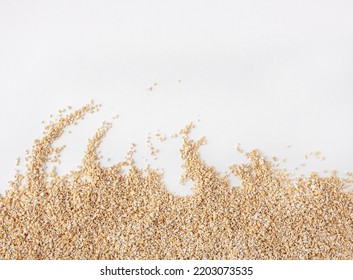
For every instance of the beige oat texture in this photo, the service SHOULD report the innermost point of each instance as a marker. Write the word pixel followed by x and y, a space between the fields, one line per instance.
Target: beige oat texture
pixel 97 212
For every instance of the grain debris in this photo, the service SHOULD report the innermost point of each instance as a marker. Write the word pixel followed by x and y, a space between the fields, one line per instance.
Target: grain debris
pixel 96 212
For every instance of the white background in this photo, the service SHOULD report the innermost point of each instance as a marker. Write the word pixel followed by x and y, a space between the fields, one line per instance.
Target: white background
pixel 263 73
pixel 90 270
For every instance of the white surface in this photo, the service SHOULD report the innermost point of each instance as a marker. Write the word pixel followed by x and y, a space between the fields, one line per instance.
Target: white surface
pixel 262 73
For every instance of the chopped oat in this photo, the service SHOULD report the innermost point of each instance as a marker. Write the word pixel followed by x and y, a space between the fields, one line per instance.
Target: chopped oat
pixel 96 212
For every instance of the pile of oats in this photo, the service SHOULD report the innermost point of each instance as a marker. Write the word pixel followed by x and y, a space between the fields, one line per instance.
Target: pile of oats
pixel 97 212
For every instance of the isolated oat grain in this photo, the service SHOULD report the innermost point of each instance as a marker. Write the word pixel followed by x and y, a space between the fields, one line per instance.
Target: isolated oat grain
pixel 97 212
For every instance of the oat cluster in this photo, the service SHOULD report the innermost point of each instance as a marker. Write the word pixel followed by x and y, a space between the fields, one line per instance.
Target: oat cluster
pixel 97 212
